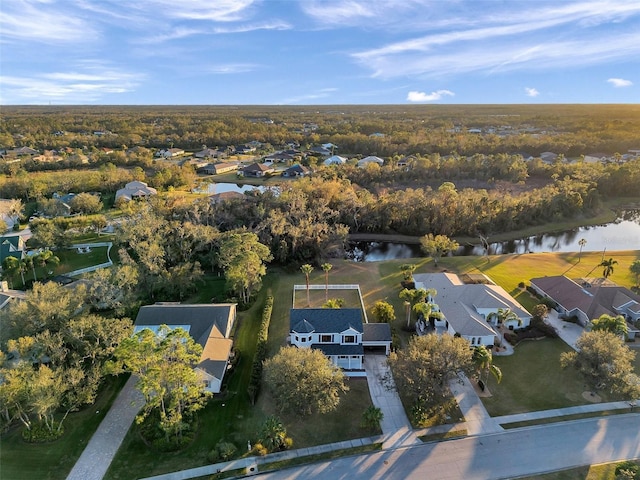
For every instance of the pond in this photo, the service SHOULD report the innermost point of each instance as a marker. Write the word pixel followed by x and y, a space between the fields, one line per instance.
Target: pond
pixel 215 188
pixel 622 234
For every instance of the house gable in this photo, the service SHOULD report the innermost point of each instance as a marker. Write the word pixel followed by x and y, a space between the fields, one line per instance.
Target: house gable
pixel 208 324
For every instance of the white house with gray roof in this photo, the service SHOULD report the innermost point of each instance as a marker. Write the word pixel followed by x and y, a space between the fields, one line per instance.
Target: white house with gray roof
pixel 470 309
pixel 208 324
pixel 339 333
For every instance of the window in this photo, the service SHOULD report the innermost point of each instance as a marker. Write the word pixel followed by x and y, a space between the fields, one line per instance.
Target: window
pixel 348 339
pixel 326 338
pixel 207 384
pixel 473 340
pixel 343 357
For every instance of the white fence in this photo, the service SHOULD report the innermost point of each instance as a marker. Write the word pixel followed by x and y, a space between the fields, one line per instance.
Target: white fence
pixel 93 267
pixel 354 286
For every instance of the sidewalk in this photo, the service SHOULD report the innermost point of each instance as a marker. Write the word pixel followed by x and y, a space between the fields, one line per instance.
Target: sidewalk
pixel 99 452
pixel 251 464
pixel 559 412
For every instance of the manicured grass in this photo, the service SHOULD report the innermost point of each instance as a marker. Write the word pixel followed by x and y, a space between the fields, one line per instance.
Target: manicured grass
pixel 320 429
pixel 533 380
pixel 434 437
pixel 604 471
pixel 71 260
pixel 317 298
pixel 54 461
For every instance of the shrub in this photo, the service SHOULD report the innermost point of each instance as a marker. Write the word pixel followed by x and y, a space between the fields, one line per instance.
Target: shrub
pixel 226 450
pixel 627 470
pixel 521 285
pixel 39 433
pixel 261 351
pixel 260 450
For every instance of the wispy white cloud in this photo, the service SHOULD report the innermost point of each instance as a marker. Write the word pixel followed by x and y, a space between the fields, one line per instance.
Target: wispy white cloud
pixel 45 22
pixel 208 10
pixel 230 68
pixel 358 12
pixel 545 36
pixel 531 92
pixel 90 82
pixel 620 82
pixel 322 93
pixel 428 97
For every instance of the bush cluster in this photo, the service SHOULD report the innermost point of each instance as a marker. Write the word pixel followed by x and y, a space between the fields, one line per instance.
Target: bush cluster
pixel 40 433
pixel 261 351
pixel 223 451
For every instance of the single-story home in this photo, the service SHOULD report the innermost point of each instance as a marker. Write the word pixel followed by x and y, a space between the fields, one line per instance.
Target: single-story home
pixel 225 196
pixel 211 153
pixel 208 324
pixel 170 152
pixel 470 310
pixel 370 159
pixel 279 157
pixel 297 171
pixel 335 160
pixel 135 189
pixel 339 333
pixel 588 299
pixel 257 170
pixel 218 168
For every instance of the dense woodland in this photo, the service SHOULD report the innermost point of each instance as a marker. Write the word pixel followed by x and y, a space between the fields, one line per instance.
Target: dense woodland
pixel 454 183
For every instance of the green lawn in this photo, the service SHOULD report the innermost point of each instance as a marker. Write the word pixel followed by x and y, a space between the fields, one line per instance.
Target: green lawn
pixel 70 260
pixel 533 380
pixel 605 471
pixel 54 461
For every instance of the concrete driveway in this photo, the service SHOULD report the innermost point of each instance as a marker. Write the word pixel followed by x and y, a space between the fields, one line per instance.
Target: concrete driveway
pixel 396 429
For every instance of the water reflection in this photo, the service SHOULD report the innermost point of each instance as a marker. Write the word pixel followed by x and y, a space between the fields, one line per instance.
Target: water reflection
pixel 622 234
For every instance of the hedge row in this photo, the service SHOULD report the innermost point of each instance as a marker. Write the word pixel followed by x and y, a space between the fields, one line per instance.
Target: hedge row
pixel 261 351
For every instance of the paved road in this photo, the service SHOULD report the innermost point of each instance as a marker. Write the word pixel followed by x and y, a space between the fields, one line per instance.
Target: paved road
pixel 513 453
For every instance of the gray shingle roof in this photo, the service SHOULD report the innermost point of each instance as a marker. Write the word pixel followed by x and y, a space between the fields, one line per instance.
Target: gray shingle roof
pixel 336 349
pixel 325 320
pixel 376 332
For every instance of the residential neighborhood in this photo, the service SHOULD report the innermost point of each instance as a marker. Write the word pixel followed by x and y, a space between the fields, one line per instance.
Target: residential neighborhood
pixel 263 301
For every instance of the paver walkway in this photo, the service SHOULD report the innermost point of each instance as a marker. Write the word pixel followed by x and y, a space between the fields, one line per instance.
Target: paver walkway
pixel 98 454
pixel 396 429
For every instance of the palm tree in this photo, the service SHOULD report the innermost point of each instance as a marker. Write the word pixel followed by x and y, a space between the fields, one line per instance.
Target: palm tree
pixel 483 359
pixel 25 264
pixel 46 258
pixel 307 269
pixel 326 267
pixel 582 242
pixel 608 267
pixel 616 325
pixel 413 297
pixel 372 417
pixel 273 435
pixel 10 266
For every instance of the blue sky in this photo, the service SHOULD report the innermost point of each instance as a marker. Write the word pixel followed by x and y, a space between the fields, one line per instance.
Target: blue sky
pixel 288 52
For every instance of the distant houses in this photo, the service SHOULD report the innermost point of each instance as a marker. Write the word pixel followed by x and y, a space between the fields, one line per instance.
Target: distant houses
pixel 218 168
pixel 370 160
pixel 335 160
pixel 135 190
pixel 257 170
